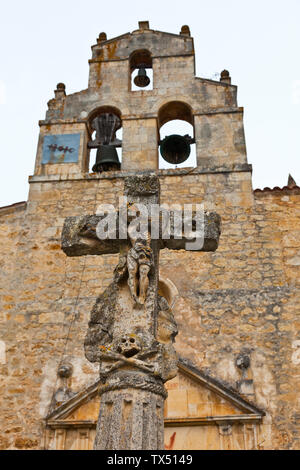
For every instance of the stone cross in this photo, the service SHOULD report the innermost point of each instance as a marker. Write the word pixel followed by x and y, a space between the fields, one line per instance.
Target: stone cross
pixel 132 328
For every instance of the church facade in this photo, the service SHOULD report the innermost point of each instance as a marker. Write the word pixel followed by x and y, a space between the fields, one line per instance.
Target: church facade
pixel 237 309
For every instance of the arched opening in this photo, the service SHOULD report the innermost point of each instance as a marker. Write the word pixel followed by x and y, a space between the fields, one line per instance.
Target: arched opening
pixel 140 71
pixel 105 144
pixel 168 290
pixel 176 119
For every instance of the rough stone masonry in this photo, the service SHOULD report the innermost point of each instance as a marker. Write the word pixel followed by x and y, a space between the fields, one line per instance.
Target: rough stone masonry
pixel 241 300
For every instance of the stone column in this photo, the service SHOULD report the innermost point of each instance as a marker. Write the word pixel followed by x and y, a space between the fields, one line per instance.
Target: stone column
pixel 132 391
pixel 131 418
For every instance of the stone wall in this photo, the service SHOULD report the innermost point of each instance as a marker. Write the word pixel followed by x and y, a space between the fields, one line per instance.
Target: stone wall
pixel 242 298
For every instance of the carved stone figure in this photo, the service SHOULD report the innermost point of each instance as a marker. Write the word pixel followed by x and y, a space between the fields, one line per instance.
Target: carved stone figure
pixel 129 345
pixel 139 262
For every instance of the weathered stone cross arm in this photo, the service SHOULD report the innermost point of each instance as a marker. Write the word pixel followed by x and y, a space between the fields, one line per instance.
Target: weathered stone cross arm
pixel 79 236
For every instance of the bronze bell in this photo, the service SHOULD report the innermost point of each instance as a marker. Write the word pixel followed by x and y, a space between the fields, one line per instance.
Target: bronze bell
pixel 106 159
pixel 142 80
pixel 175 149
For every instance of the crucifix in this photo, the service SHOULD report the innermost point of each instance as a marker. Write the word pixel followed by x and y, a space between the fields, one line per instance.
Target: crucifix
pixel 132 328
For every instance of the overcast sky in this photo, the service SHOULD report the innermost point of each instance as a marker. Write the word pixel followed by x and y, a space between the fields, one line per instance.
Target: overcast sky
pixel 258 41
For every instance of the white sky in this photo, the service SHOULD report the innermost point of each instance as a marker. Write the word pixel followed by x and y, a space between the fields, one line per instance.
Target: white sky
pixel 258 41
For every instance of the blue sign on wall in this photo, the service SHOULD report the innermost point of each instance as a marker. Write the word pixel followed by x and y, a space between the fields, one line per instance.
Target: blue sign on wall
pixel 62 148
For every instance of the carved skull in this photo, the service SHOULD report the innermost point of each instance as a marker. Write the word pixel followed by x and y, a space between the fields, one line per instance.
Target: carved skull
pixel 65 370
pixel 129 345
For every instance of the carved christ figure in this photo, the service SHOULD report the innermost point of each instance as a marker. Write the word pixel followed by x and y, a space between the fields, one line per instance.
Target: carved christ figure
pixel 139 262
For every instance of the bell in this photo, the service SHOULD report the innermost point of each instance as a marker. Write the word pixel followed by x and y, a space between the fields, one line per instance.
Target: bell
pixel 142 79
pixel 106 159
pixel 175 149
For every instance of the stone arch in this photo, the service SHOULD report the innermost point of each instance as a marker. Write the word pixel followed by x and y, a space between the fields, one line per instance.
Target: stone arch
pixel 140 59
pixel 175 110
pixel 176 117
pixel 168 290
pixel 101 110
pixel 114 116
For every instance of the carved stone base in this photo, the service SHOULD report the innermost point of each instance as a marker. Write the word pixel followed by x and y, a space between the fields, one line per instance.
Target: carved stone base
pixel 130 419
